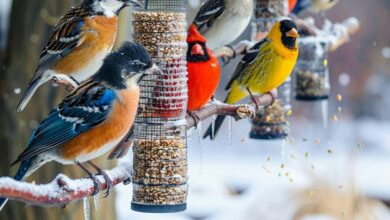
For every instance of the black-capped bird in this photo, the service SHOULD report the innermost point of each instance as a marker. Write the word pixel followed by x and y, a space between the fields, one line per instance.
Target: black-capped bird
pixel 93 119
pixel 77 45
pixel 223 21
pixel 264 67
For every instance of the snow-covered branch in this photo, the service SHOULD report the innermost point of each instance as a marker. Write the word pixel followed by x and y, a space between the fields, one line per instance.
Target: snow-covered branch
pixel 335 35
pixel 61 190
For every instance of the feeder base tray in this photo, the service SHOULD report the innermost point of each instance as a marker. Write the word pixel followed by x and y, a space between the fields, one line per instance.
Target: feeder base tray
pixel 158 208
pixel 268 136
pixel 311 98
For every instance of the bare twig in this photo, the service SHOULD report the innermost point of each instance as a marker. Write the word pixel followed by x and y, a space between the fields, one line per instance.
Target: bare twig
pixel 236 111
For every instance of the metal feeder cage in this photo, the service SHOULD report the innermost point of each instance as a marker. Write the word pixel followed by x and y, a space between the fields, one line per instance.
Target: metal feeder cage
pixel 160 142
pixel 312 70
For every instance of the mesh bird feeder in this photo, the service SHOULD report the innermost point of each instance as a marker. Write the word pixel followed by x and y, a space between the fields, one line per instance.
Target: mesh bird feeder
pixel 160 143
pixel 266 14
pixel 271 122
pixel 311 71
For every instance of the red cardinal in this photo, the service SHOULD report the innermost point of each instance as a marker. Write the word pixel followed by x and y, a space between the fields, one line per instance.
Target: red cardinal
pixel 203 71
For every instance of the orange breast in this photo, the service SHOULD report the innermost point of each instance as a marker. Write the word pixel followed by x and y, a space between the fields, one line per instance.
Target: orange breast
pixel 98 36
pixel 116 127
pixel 203 79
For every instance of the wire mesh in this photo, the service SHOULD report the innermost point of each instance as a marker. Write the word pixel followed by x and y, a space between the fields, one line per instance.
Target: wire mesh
pixel 266 13
pixel 312 70
pixel 160 143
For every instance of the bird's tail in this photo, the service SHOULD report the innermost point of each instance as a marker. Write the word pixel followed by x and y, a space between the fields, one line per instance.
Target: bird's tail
pixel 23 172
pixel 31 89
pixel 217 125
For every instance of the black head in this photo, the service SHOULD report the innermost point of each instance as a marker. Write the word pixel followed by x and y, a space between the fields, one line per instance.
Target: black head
pixel 130 62
pixel 197 52
pixel 289 31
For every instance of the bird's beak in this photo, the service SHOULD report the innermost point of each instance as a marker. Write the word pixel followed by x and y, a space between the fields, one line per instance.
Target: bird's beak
pixel 197 49
pixel 292 33
pixel 154 70
pixel 133 2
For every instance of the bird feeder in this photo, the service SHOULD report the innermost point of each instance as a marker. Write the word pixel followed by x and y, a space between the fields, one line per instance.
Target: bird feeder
pixel 271 122
pixel 312 71
pixel 266 14
pixel 160 143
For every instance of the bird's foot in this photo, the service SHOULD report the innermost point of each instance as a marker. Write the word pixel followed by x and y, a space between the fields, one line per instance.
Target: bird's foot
pixel 229 55
pixel 195 117
pixel 254 100
pixel 68 82
pixel 106 178
pixel 96 182
pixel 274 94
pixel 246 111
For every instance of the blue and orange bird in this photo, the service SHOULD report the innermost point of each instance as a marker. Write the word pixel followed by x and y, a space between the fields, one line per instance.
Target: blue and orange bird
pixel 93 119
pixel 77 45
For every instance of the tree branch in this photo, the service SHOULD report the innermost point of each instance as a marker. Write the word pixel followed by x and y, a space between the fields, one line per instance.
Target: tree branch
pixel 61 190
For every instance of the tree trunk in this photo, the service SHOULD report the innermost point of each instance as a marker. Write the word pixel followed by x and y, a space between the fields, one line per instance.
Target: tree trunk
pixel 30 25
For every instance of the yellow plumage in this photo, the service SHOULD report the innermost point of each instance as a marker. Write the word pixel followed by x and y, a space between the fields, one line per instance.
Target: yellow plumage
pixel 263 68
pixel 269 65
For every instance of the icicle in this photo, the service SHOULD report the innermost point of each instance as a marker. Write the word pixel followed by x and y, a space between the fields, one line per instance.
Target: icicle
pixel 214 117
pixel 87 209
pixel 230 131
pixel 324 112
pixel 96 201
pixel 199 128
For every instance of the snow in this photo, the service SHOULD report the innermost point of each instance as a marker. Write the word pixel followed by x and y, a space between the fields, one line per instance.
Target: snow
pixel 255 168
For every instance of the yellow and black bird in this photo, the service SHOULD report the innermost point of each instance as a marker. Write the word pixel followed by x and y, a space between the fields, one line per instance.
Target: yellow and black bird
pixel 264 67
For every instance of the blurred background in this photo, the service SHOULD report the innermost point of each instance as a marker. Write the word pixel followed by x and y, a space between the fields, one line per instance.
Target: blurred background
pixel 339 171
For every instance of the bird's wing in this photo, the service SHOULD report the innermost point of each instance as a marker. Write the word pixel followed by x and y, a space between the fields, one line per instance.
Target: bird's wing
pixel 208 13
pixel 250 57
pixel 65 37
pixel 301 5
pixel 88 107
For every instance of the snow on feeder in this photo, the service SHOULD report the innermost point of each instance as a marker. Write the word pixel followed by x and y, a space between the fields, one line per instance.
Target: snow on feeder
pixel 266 14
pixel 160 145
pixel 312 71
pixel 271 122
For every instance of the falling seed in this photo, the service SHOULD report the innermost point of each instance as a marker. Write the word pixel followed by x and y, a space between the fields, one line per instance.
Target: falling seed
pixel 312 167
pixel 325 62
pixel 339 109
pixel 266 169
pixel 279 174
pixel 282 166
pixel 242 139
pixel 304 139
pixel 269 158
pixel 306 155
pixel 330 151
pixel 339 98
pixel 311 193
pixel 340 186
pixel 17 91
pixel 335 119
pixel 291 180
pixel 292 156
pixel 359 145
pixel 287 174
pixel 318 141
pixel 289 112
